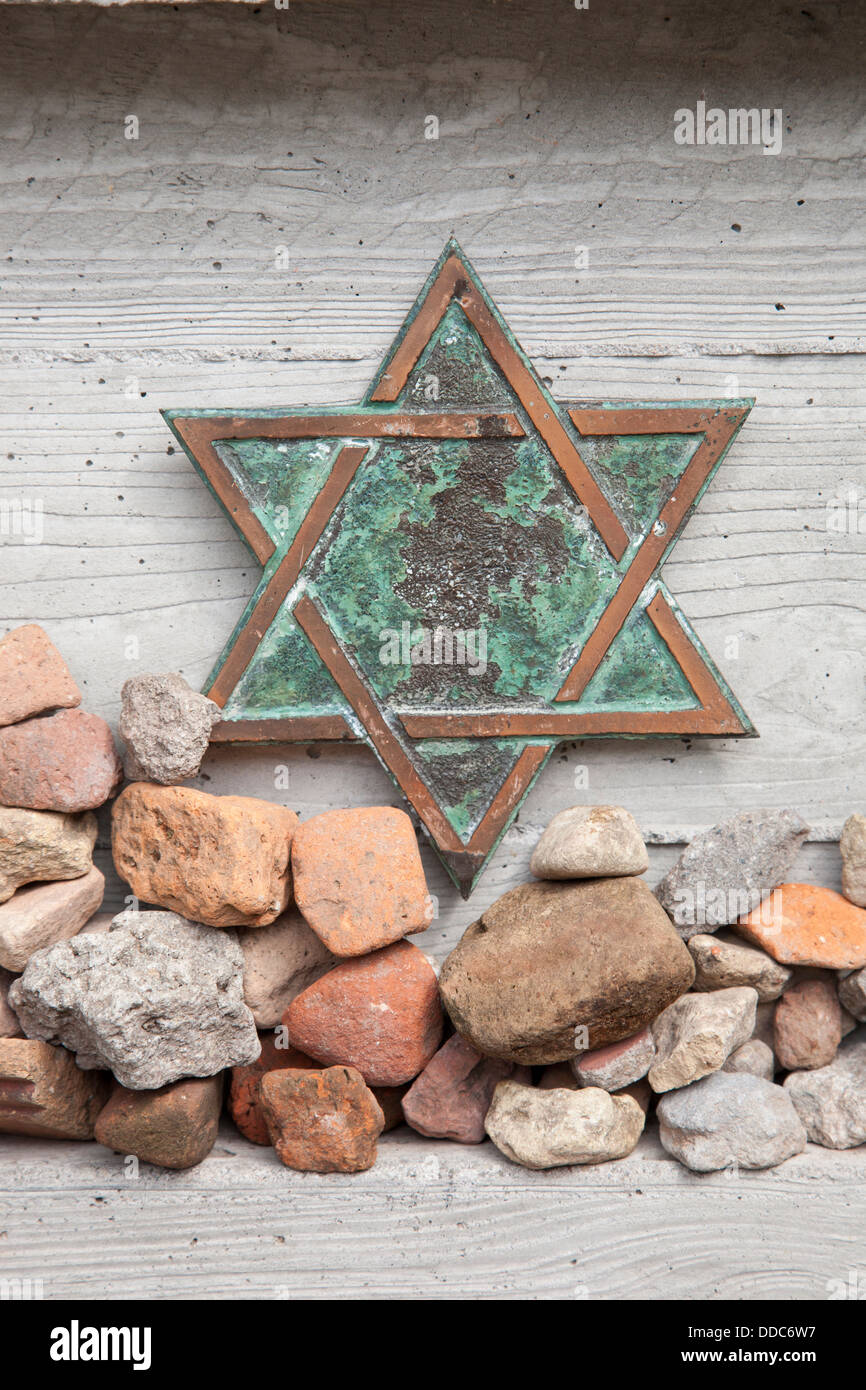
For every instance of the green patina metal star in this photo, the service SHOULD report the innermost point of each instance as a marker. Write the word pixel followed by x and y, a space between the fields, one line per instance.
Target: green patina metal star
pixel 463 572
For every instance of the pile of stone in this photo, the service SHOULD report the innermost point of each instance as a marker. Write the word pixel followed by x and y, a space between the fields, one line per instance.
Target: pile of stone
pixel 265 966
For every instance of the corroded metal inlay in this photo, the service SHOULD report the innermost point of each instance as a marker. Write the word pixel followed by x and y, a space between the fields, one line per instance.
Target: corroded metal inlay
pixel 462 572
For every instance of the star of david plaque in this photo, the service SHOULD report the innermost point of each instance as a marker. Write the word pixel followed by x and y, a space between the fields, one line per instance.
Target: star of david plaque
pixel 462 572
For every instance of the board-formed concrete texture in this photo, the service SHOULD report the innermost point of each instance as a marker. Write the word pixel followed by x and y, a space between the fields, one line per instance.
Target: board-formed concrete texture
pixel 432 1220
pixel 258 244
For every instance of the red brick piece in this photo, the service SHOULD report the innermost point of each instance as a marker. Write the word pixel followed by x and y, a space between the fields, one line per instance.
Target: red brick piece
pixel 379 1013
pixel 359 881
pixel 244 1102
pixel 221 860
pixel 173 1127
pixel 44 1094
pixel 451 1097
pixel 60 762
pixel 322 1121
pixel 33 675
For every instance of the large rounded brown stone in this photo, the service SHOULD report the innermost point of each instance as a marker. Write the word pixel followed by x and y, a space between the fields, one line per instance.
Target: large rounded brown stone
pixel 552 969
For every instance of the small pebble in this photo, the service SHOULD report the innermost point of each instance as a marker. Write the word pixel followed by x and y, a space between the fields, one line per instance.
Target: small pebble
pixel 590 842
pixel 551 1128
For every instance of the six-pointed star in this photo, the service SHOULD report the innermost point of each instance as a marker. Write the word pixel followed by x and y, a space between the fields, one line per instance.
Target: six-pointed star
pixel 463 572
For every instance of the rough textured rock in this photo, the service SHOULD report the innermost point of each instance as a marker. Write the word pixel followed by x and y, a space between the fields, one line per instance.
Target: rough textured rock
pixel 590 842
pixel 451 1097
pixel 697 1033
pixel 852 995
pixel 359 880
pixel 222 860
pixel 753 1057
pixel 831 1101
pixel 378 1013
pixel 244 1101
pixel 555 968
pixel 550 1128
pixel 43 1093
pixel 166 727
pixel 280 960
pixel 43 913
pixel 36 846
pixel 729 1121
pixel 728 870
pixel 618 1064
pixel 9 1025
pixel 59 762
pixel 807 1028
pixel 725 963
pixel 33 675
pixel 852 847
pixel 153 1000
pixel 805 925
pixel 174 1127
pixel 322 1121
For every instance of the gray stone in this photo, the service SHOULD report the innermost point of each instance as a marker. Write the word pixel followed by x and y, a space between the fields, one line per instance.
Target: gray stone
pixel 37 846
pixel 852 994
pixel 730 1121
pixel 853 849
pixel 154 999
pixel 280 960
pixel 753 1057
pixel 590 842
pixel 9 1025
pixel 831 1101
pixel 166 727
pixel 698 1032
pixel 722 962
pixel 550 1128
pixel 728 870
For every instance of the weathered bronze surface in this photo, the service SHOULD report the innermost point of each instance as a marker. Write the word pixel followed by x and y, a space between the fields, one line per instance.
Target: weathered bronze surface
pixel 462 572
